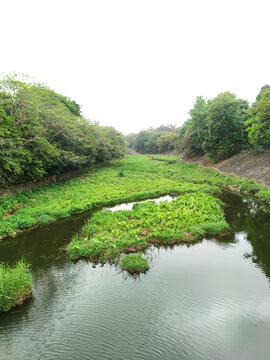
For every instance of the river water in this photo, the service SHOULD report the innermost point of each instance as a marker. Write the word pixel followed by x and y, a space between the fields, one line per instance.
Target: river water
pixel 207 301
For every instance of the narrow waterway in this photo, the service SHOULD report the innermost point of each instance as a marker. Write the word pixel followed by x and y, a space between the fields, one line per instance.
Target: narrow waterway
pixel 207 301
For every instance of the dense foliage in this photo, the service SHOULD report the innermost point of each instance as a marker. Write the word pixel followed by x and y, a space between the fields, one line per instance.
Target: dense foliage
pixel 259 121
pixel 15 285
pixel 42 132
pixel 152 141
pixel 129 179
pixel 225 121
pixel 216 127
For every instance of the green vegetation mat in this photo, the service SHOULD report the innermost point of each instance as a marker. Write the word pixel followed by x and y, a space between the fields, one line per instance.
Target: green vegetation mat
pixel 129 179
pixel 134 263
pixel 15 285
pixel 108 234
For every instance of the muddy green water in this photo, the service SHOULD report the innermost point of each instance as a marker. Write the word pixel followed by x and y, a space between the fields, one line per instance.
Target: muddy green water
pixel 207 301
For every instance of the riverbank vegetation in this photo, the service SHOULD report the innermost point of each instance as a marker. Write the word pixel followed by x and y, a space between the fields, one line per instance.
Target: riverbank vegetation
pixel 125 180
pixel 184 220
pixel 15 285
pixel 44 133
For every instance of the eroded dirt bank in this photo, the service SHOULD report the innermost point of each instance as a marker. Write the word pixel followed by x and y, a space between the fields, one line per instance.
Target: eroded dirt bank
pixel 251 164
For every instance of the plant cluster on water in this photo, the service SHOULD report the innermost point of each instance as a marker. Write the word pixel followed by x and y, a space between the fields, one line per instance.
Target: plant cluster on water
pixel 15 285
pixel 143 178
pixel 108 234
pixel 134 263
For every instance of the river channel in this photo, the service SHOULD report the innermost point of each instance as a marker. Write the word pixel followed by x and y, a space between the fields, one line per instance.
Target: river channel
pixel 210 300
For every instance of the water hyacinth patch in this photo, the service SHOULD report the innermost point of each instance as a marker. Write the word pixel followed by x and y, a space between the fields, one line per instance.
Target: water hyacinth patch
pixel 134 263
pixel 108 234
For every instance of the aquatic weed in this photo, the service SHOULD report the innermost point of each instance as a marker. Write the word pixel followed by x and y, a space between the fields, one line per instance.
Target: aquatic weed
pixel 186 219
pixel 134 263
pixel 15 285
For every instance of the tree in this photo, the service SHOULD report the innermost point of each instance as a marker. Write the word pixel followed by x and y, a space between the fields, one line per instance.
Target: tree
pixel 216 127
pixel 42 132
pixel 156 140
pixel 131 138
pixel 258 125
pixel 192 134
pixel 225 120
pixel 167 141
pixel 150 146
pixel 182 133
pixel 198 127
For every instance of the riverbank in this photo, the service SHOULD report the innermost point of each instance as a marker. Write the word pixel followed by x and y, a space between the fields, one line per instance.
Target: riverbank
pixel 251 164
pixel 129 179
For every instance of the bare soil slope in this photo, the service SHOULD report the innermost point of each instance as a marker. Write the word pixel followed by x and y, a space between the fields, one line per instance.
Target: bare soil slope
pixel 251 164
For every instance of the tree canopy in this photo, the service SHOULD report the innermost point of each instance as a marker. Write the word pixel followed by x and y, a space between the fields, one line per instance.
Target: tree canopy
pixel 259 122
pixel 43 132
pixel 216 128
pixel 154 140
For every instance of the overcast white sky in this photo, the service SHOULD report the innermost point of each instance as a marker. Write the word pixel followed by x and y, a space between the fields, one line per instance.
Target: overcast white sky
pixel 134 64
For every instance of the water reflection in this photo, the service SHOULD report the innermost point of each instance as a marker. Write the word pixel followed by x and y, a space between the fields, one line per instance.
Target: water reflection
pixel 129 206
pixel 244 214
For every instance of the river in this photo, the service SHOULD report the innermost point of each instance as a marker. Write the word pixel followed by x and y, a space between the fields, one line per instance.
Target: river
pixel 210 300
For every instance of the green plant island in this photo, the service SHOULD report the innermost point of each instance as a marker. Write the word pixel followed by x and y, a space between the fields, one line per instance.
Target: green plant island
pixel 144 178
pixel 15 285
pixel 134 263
pixel 184 220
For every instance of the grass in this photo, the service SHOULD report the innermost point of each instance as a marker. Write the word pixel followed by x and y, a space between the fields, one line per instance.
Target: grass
pixel 134 263
pixel 108 234
pixel 15 285
pixel 105 186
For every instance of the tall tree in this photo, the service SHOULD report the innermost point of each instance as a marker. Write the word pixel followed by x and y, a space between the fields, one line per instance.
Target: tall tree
pixel 225 117
pixel 42 132
pixel 258 125
pixel 193 133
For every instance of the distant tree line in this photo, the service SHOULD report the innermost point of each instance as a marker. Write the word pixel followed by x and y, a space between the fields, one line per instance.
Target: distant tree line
pixel 219 128
pixel 42 132
pixel 151 141
pixel 222 126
